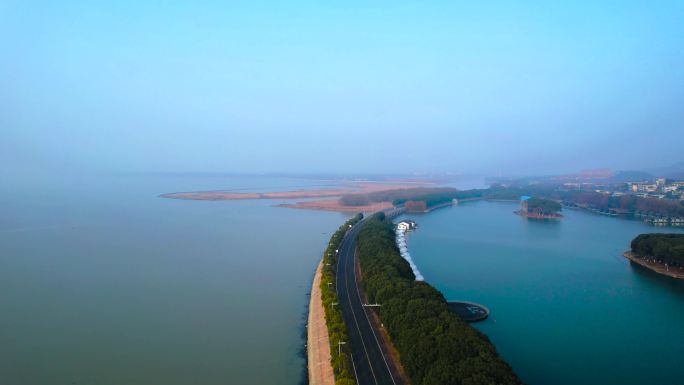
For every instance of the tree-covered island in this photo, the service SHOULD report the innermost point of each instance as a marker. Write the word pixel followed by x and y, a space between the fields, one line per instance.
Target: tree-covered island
pixel 539 208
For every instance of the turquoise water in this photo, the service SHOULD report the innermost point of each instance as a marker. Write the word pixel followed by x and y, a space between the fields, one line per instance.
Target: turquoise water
pixel 102 282
pixel 567 308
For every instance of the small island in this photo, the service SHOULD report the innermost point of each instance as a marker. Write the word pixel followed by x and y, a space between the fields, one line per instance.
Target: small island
pixel 539 208
pixel 662 253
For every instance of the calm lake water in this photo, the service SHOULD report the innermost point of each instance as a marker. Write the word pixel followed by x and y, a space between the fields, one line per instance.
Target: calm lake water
pixel 102 282
pixel 567 308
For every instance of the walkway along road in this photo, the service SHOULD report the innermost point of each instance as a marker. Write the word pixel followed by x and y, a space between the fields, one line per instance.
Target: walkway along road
pixel 371 365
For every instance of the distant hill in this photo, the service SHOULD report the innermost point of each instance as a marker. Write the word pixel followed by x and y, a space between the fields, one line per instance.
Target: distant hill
pixel 631 176
pixel 674 171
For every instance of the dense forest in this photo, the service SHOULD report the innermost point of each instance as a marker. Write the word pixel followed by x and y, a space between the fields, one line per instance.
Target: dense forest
pixel 543 206
pixel 666 248
pixel 436 347
pixel 359 199
pixel 432 199
pixel 337 331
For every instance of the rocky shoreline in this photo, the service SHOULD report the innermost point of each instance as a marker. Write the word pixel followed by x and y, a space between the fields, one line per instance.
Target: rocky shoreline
pixel 659 268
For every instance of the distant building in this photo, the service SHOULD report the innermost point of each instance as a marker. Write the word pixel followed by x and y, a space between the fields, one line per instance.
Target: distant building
pixel 643 187
pixel 669 188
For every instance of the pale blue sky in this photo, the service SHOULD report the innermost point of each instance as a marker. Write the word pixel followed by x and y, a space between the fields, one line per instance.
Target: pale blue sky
pixel 520 87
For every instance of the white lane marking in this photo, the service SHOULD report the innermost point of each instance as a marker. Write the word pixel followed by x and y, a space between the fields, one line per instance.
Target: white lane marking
pixel 356 377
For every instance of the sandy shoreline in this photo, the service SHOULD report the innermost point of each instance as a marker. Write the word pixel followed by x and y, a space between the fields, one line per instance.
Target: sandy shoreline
pixel 344 188
pixel 328 197
pixel 227 195
pixel 317 343
pixel 335 205
pixel 656 267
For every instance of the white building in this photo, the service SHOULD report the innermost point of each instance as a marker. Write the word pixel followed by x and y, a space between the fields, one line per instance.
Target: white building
pixel 406 225
pixel 643 187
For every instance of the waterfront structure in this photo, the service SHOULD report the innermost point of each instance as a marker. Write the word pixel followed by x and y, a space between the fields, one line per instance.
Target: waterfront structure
pixel 523 203
pixel 406 225
pixel 402 228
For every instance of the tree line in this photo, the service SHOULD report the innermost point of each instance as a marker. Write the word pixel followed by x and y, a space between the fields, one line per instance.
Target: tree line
pixel 434 198
pixel 666 248
pixel 435 346
pixel 421 198
pixel 360 199
pixel 337 330
pixel 627 203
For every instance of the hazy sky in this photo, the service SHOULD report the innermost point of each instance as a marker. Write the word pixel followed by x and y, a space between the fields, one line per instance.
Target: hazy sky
pixel 341 86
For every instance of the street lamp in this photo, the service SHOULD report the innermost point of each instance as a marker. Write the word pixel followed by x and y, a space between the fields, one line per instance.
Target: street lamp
pixel 339 347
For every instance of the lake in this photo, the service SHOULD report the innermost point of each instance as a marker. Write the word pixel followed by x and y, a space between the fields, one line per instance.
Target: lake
pixel 102 282
pixel 566 307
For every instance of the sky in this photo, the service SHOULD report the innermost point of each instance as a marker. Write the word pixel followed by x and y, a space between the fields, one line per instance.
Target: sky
pixel 341 86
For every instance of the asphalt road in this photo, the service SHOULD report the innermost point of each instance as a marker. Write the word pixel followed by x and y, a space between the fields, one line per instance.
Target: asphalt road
pixel 371 367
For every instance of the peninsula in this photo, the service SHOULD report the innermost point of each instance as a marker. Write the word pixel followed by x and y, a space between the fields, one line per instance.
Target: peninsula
pixel 662 253
pixel 342 198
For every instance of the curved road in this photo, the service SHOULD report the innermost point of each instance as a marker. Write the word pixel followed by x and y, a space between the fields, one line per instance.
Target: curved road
pixel 371 367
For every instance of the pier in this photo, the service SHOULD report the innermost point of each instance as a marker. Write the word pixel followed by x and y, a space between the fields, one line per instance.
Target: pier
pixel 469 311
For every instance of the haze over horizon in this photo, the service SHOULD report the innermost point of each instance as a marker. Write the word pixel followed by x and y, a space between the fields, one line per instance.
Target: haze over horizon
pixel 392 87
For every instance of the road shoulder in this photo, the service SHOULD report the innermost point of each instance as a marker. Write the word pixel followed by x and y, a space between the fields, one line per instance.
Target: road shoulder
pixel 318 346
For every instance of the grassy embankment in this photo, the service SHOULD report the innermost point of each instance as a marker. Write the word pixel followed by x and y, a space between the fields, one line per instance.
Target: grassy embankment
pixel 337 330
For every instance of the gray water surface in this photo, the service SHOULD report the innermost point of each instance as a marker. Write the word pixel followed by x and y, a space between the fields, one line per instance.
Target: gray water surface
pixel 104 283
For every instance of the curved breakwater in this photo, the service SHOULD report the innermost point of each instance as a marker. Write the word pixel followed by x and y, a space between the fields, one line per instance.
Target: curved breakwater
pixel 401 243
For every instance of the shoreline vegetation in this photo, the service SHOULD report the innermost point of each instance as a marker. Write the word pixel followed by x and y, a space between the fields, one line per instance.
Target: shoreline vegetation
pixel 435 346
pixel 653 265
pixel 337 329
pixel 659 252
